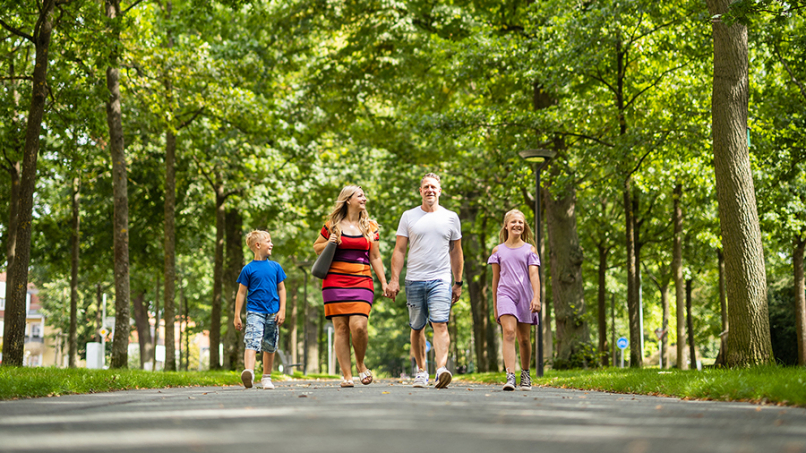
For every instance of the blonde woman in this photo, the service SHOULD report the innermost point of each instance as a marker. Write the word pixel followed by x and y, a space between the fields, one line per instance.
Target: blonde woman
pixel 348 289
pixel 516 293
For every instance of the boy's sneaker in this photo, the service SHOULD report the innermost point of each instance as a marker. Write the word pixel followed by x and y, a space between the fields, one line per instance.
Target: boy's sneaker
pixel 420 379
pixel 510 385
pixel 443 378
pixel 247 377
pixel 266 383
pixel 526 380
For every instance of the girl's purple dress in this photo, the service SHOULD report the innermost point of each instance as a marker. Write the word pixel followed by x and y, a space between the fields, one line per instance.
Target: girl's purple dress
pixel 514 286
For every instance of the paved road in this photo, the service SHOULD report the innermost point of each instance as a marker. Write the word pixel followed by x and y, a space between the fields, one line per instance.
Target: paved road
pixel 389 417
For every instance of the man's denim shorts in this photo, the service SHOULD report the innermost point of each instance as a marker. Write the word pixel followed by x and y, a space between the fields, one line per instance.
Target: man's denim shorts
pixel 261 332
pixel 428 301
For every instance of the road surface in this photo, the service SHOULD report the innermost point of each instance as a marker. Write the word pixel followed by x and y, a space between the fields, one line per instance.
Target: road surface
pixel 389 417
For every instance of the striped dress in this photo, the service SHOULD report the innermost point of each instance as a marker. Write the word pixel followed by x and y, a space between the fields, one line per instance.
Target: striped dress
pixel 348 289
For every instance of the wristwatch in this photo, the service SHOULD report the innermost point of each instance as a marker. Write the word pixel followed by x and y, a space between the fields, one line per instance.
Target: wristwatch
pixel 459 283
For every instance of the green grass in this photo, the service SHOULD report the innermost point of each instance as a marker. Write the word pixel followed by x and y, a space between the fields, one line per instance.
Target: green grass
pixel 38 382
pixel 767 384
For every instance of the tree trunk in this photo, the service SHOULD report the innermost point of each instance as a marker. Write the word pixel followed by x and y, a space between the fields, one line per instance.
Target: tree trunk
pixel 476 276
pixel 218 274
pixel 664 339
pixel 143 329
pixel 14 333
pixel 311 343
pixel 566 271
pixel 638 244
pixel 234 262
pixel 677 273
pixel 187 335
pixel 749 342
pixel 602 304
pixel 721 358
pixel 114 119
pixel 692 354
pixel 99 301
pixel 800 298
pixel 13 169
pixel 180 314
pixel 636 355
pixel 169 291
pixel 156 322
pixel 292 303
pixel 74 262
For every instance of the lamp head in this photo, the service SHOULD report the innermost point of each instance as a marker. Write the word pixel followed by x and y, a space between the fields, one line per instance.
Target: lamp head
pixel 537 155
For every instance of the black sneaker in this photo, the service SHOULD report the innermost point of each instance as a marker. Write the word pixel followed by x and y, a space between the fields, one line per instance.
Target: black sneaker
pixel 510 385
pixel 526 380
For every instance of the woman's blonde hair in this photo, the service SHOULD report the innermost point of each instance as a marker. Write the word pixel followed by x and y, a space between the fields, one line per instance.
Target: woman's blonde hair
pixel 503 235
pixel 340 212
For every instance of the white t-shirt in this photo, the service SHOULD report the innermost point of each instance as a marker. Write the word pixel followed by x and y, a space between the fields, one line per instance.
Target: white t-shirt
pixel 430 235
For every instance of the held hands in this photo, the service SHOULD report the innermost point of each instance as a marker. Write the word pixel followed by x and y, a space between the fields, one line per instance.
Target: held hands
pixel 534 306
pixel 392 289
pixel 237 322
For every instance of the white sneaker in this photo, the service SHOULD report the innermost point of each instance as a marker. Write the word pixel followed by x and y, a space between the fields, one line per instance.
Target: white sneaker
pixel 443 378
pixel 420 379
pixel 266 383
pixel 247 377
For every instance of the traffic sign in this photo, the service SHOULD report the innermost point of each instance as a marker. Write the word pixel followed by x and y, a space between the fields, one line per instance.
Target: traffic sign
pixel 103 331
pixel 622 343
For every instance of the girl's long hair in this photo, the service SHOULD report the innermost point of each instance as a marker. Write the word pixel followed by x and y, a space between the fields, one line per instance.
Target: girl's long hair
pixel 527 236
pixel 340 212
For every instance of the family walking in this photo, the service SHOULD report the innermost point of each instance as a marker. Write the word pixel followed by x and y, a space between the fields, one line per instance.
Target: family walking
pixel 431 236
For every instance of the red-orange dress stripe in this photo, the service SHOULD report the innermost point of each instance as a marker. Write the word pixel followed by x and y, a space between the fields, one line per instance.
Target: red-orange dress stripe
pixel 348 289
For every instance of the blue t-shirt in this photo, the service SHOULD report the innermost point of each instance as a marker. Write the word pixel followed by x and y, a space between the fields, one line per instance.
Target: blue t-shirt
pixel 261 279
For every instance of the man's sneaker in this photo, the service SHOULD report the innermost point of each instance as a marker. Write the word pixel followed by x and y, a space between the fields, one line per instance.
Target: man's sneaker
pixel 421 379
pixel 247 377
pixel 510 385
pixel 266 383
pixel 443 378
pixel 526 380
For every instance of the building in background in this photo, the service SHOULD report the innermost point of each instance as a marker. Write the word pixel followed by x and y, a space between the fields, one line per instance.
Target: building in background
pixel 42 342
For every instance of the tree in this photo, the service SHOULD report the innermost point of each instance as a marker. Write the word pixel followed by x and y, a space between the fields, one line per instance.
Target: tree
pixel 749 338
pixel 15 313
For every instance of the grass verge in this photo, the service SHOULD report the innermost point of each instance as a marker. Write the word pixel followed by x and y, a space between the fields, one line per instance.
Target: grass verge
pixel 765 384
pixel 37 382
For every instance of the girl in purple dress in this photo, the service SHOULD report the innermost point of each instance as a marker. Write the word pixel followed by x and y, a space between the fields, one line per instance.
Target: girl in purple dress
pixel 516 293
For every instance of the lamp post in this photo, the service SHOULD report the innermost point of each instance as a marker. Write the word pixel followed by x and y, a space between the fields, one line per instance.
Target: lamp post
pixel 541 158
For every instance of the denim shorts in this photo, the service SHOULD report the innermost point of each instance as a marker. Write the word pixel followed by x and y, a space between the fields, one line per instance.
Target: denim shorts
pixel 262 332
pixel 428 301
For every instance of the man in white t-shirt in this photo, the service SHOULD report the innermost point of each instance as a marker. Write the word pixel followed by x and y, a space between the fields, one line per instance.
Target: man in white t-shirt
pixel 433 236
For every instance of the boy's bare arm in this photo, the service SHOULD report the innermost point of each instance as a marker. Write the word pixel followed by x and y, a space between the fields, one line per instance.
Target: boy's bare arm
pixel 239 298
pixel 281 314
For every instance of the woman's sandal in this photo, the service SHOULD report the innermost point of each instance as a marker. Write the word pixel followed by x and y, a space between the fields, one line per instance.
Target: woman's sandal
pixel 366 377
pixel 347 384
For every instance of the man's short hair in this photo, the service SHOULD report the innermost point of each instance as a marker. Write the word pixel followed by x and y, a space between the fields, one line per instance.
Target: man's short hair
pixel 432 176
pixel 253 236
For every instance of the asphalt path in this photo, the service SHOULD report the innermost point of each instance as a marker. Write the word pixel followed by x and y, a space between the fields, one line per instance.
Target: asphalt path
pixel 390 416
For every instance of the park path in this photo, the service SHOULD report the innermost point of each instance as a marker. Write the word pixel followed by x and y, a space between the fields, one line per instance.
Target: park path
pixel 389 417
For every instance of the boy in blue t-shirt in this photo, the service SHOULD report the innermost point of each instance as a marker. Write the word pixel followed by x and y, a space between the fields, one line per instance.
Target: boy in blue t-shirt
pixel 265 307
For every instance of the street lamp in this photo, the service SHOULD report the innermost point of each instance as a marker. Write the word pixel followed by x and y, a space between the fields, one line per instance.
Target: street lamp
pixel 541 158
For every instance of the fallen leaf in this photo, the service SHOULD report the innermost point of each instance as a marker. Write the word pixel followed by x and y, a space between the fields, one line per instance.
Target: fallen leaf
pixel 384 393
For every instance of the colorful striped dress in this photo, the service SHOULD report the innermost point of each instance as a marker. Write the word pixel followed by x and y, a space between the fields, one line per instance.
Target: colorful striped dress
pixel 348 289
